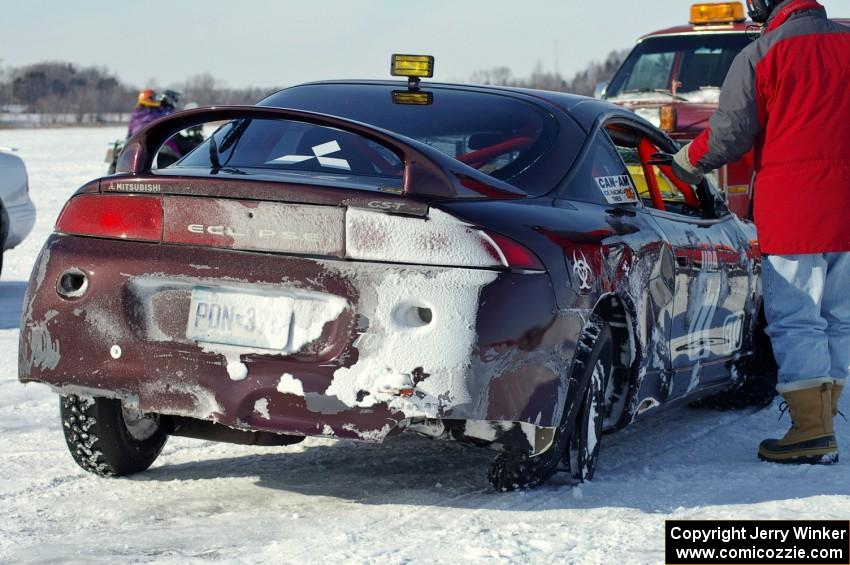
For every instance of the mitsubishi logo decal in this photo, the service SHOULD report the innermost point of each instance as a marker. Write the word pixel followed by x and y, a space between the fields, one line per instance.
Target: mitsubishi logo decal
pixel 320 153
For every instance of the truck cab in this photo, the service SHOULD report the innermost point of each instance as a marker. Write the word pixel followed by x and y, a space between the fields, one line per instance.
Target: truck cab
pixel 673 78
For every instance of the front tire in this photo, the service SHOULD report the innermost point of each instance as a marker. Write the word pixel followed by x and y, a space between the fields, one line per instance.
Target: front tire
pixel 576 442
pixel 107 439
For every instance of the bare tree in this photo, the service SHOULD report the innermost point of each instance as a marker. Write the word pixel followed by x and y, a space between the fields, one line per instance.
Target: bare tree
pixel 584 82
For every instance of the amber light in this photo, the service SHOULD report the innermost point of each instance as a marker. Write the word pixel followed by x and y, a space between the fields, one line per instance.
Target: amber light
pixel 419 66
pixel 717 13
pixel 668 118
pixel 113 216
pixel 413 98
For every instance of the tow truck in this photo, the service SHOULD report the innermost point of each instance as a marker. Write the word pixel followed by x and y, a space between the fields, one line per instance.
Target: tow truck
pixel 673 78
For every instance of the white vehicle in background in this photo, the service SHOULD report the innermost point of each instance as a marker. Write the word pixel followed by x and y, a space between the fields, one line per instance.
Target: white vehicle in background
pixel 17 213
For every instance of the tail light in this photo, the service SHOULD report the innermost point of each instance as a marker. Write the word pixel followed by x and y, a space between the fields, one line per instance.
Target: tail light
pixel 113 216
pixel 442 240
pixel 512 254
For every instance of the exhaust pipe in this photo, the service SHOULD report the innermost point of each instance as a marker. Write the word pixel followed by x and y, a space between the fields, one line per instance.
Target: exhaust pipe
pixel 204 429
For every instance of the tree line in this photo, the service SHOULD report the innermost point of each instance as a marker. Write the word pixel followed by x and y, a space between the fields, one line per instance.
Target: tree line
pixel 93 94
pixel 583 82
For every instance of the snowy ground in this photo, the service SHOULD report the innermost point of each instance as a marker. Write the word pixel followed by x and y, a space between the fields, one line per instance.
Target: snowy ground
pixel 411 500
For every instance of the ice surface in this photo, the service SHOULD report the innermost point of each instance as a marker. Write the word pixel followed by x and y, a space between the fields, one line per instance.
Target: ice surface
pixel 204 502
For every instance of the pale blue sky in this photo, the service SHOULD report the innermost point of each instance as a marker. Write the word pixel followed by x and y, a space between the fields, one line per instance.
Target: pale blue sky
pixel 265 43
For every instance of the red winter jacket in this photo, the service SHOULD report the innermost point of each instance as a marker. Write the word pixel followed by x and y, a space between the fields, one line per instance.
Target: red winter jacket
pixel 788 95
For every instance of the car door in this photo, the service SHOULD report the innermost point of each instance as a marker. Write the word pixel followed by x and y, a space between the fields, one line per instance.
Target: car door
pixel 611 233
pixel 712 279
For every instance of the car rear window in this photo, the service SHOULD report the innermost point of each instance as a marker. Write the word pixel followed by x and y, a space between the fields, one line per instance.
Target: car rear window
pixel 497 134
pixel 268 146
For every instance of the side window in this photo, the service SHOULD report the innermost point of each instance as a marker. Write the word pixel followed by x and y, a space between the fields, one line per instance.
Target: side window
pixel 669 192
pixel 655 182
pixel 602 176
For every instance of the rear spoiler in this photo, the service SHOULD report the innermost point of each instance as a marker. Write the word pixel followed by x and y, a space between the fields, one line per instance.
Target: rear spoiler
pixel 427 172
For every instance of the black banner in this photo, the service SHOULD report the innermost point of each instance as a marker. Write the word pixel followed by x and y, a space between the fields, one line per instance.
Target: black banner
pixel 757 542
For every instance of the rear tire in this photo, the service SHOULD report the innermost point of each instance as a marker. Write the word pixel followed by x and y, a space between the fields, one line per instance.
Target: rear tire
pixel 587 431
pixel 517 470
pixel 107 439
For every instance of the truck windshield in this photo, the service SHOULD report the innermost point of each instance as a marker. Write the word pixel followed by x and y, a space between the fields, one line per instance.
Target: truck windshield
pixel 690 67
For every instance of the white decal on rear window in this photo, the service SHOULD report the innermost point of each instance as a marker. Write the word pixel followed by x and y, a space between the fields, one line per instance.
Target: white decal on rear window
pixel 320 153
pixel 617 190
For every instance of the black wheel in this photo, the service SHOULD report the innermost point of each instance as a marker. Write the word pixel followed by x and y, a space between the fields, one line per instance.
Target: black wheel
pixel 512 470
pixel 587 431
pixel 108 439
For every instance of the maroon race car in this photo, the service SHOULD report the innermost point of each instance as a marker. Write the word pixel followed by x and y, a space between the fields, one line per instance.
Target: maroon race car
pixel 357 259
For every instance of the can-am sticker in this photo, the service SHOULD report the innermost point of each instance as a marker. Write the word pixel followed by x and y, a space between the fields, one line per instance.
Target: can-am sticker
pixel 617 190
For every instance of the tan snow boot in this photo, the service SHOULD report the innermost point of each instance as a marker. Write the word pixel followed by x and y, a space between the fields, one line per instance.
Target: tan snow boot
pixel 836 393
pixel 811 438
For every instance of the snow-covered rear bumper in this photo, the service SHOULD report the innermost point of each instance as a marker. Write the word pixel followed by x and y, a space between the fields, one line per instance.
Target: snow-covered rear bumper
pixel 493 349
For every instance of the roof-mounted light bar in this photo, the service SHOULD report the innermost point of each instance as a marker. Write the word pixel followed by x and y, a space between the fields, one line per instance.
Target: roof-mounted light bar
pixel 717 13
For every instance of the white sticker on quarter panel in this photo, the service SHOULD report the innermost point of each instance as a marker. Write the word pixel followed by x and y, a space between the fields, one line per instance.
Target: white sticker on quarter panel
pixel 617 189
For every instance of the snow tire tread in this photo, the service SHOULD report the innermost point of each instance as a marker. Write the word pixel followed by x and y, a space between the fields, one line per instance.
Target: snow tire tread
pixel 99 441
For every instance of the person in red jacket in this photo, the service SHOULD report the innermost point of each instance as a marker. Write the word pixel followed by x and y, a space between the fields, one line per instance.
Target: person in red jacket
pixel 786 97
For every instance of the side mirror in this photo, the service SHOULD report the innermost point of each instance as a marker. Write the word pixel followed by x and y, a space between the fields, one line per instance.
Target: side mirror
pixel 601 90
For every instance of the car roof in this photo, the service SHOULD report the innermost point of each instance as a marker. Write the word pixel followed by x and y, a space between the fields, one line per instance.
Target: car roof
pixel 582 109
pixel 736 27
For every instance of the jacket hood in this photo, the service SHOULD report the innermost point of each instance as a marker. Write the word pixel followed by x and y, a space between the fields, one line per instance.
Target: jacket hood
pixel 789 8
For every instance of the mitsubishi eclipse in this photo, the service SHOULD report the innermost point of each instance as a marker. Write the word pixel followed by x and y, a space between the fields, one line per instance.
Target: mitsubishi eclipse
pixel 357 259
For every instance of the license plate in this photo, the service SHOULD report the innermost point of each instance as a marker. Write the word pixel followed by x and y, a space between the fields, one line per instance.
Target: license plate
pixel 239 318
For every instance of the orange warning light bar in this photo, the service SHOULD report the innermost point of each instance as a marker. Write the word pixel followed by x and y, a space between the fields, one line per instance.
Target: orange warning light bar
pixel 717 13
